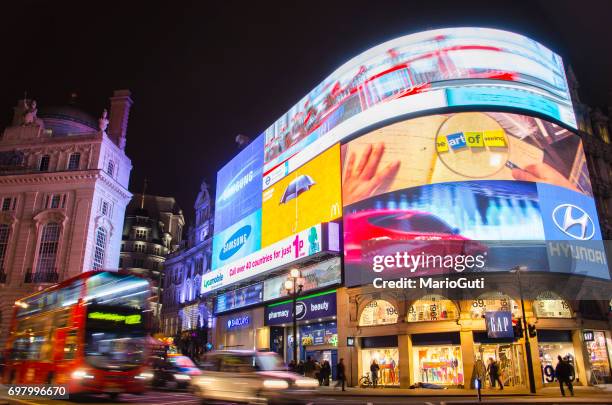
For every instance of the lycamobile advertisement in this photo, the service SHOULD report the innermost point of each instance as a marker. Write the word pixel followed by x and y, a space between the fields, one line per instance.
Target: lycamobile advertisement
pixel 427 70
pixel 288 250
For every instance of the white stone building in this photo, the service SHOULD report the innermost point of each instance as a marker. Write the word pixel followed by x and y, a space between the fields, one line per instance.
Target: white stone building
pixel 63 192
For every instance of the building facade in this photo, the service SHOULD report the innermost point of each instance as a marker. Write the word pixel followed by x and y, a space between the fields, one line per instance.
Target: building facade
pixel 64 188
pixel 185 315
pixel 152 230
pixel 433 145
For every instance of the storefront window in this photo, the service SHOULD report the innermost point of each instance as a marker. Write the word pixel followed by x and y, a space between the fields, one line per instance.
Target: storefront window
pixel 550 305
pixel 432 308
pixel 440 365
pixel 598 356
pixel 495 301
pixel 548 358
pixel 378 312
pixel 388 361
pixel 509 357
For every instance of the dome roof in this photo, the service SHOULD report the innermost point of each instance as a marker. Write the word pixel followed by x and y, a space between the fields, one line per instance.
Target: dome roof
pixel 64 120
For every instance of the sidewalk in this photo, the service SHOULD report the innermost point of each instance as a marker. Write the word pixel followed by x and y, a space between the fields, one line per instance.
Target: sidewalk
pixel 596 391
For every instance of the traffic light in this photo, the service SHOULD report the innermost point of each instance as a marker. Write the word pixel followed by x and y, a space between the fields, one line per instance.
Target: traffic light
pixel 517 329
pixel 532 330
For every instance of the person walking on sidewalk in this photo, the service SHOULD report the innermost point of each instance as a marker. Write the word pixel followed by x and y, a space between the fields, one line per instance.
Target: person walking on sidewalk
pixel 374 367
pixel 341 375
pixel 563 372
pixel 494 374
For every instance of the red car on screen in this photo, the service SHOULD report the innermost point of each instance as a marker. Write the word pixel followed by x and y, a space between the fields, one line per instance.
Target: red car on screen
pixel 386 231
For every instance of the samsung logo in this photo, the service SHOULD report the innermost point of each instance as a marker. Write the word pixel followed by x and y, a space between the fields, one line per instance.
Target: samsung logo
pixel 214 280
pixel 235 242
pixel 238 185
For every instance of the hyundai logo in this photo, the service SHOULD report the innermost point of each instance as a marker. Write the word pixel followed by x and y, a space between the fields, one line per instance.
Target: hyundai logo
pixel 573 221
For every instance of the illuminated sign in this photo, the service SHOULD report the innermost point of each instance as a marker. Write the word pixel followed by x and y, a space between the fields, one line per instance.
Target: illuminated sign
pixel 238 322
pixel 310 307
pixel 499 324
pixel 238 240
pixel 303 244
pixel 319 275
pixel 106 316
pixel 239 186
pixel 308 196
pixel 588 336
pixel 424 71
pixel 241 297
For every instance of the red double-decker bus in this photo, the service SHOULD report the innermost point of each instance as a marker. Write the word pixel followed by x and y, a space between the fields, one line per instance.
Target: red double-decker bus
pixel 87 333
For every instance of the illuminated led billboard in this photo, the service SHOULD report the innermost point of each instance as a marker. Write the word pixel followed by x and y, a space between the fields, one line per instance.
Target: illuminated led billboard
pixel 306 197
pixel 449 184
pixel 428 70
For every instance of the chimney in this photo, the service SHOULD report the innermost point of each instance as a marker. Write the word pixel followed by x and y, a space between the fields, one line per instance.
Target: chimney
pixel 119 114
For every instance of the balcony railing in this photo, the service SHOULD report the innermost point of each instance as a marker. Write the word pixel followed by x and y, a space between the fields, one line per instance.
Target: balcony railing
pixel 42 277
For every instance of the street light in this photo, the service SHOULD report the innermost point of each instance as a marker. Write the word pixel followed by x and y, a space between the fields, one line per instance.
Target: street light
pixel 518 270
pixel 294 285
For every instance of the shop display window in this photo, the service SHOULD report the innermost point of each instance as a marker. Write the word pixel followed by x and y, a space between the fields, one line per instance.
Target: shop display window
pixel 548 358
pixel 324 333
pixel 388 361
pixel 598 356
pixel 441 365
pixel 495 301
pixel 432 308
pixel 551 305
pixel 378 312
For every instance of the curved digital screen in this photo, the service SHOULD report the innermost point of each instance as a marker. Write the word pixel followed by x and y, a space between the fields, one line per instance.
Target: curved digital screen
pixel 498 187
pixel 428 70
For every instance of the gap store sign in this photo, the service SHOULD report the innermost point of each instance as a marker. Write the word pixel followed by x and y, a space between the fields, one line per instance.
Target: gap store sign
pixel 499 324
pixel 310 307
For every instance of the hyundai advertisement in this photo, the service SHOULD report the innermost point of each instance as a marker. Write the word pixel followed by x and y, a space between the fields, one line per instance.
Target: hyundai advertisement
pixel 427 70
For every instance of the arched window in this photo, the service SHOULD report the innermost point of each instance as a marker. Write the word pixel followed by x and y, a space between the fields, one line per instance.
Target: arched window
pixel 4 238
pixel 550 305
pixel 493 301
pixel 100 249
pixel 110 168
pixel 432 308
pixel 47 251
pixel 378 312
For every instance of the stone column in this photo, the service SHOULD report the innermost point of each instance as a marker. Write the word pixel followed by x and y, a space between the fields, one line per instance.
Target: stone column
pixel 581 357
pixel 468 356
pixel 404 343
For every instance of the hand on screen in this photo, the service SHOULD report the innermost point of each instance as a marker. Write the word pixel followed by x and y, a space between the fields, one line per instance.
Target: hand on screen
pixel 543 173
pixel 362 181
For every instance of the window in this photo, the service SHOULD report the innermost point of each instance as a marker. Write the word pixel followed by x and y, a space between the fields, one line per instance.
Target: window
pixel 432 308
pixel 47 252
pixel 139 263
pixel 110 168
pixel 378 312
pixel 55 201
pixel 139 247
pixel 6 204
pixel 100 249
pixel 74 161
pixel 44 163
pixel 4 238
pixel 104 208
pixel 156 250
pixel 141 234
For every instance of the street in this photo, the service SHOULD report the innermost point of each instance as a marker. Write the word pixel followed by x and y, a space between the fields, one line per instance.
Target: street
pixel 176 398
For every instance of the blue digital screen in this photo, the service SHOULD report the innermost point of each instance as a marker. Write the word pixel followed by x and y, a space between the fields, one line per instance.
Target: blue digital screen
pixel 242 297
pixel 239 186
pixel 237 241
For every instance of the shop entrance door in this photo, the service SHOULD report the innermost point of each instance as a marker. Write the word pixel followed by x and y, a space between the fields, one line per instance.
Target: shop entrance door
pixel 509 357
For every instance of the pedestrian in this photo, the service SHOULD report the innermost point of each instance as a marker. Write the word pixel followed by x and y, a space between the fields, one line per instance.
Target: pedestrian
pixel 300 367
pixel 563 372
pixel 309 367
pixel 374 367
pixel 317 372
pixel 341 375
pixel 326 373
pixel 292 366
pixel 494 376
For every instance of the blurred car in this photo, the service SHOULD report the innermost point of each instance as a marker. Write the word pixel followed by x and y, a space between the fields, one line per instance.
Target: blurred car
pixel 382 230
pixel 251 377
pixel 297 187
pixel 174 371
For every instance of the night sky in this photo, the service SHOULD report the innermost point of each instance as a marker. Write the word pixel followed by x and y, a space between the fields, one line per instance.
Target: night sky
pixel 206 71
